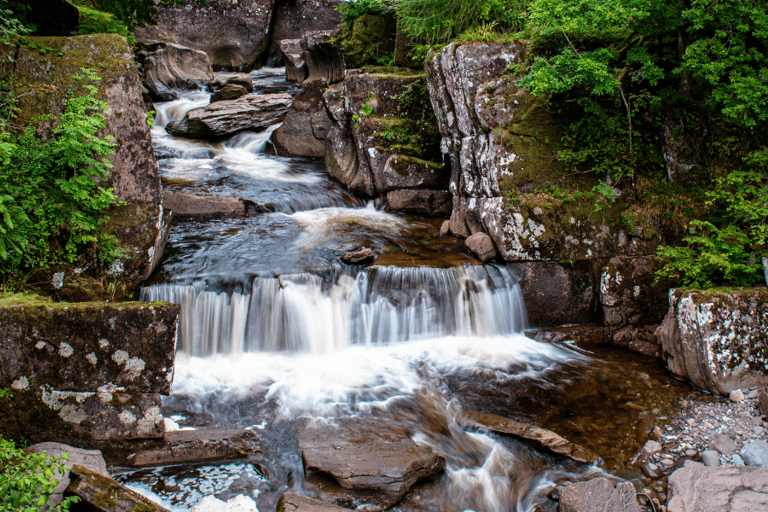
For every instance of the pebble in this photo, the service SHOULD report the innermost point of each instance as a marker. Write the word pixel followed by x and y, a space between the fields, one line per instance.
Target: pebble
pixel 710 458
pixel 724 444
pixel 753 394
pixel 737 396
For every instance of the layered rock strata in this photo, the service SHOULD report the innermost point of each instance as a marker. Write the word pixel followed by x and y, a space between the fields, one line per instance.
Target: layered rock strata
pixel 175 67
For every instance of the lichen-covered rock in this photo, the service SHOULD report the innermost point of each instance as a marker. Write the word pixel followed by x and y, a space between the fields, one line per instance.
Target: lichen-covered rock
pixel 224 118
pixel 175 67
pixel 89 372
pixel 717 339
pixel 306 126
pixel 45 79
pixel 233 34
pixel 696 487
pixel 402 172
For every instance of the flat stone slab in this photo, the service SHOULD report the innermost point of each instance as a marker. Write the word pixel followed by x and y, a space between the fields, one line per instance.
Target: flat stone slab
pixel 203 445
pixel 697 488
pixel 373 463
pixel 599 495
pixel 103 494
pixel 542 437
pixel 190 204
pixel 291 502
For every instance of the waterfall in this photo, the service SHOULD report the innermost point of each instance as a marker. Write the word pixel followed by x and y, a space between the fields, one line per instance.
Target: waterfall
pixel 309 313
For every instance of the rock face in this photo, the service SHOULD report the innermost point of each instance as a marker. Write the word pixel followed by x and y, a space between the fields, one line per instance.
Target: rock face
pixel 293 19
pixel 98 369
pixel 383 143
pixel 371 463
pixel 224 118
pixel 306 127
pixel 175 67
pixel 719 341
pixel 232 33
pixel 599 495
pixel 321 56
pixel 702 489
pixel 44 80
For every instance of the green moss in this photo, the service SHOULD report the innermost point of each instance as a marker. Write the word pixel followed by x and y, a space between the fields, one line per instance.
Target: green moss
pixel 18 299
pixel 371 41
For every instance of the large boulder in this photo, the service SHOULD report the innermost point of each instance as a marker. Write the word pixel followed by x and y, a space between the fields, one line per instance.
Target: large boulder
pixel 321 57
pixel 717 339
pixel 371 463
pixel 175 67
pixel 232 33
pixel 697 488
pixel 290 55
pixel 305 129
pixel 225 118
pixel 599 495
pixel 86 372
pixel 44 79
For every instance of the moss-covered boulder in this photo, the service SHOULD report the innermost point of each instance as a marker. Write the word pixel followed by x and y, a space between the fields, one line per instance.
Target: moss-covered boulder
pixel 85 370
pixel 717 339
pixel 370 42
pixel 44 72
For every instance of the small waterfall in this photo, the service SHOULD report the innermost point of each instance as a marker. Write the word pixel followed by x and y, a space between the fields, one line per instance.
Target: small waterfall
pixel 311 314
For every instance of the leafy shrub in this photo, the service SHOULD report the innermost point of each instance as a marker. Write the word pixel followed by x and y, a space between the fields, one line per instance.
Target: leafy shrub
pixel 26 481
pixel 51 203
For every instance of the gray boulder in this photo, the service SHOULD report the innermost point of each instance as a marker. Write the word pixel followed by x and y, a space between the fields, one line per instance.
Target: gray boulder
pixel 436 203
pixel 697 488
pixel 305 130
pixel 598 495
pixel 755 454
pixel 321 56
pixel 229 92
pixel 225 118
pixel 718 341
pixel 295 67
pixel 242 79
pixel 175 67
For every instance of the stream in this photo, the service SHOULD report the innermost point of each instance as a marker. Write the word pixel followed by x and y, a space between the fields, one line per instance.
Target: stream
pixel 275 329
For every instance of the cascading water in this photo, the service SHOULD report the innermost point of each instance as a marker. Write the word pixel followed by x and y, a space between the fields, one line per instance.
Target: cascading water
pixel 274 328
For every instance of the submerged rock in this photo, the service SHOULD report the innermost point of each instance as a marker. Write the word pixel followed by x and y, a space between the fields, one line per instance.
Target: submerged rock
pixel 696 487
pixel 224 118
pixel 175 67
pixel 717 339
pixel 370 462
pixel 598 494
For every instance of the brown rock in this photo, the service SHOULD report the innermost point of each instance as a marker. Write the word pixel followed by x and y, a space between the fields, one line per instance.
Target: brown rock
pixel 103 494
pixel 445 228
pixel 482 245
pixel 762 402
pixel 189 204
pixel 542 437
pixel 225 118
pixel 361 256
pixel 598 495
pixel 175 67
pixel 582 334
pixel 372 463
pixel 321 56
pixel 291 502
pixel 402 172
pixel 293 19
pixel 305 129
pixel 229 92
pixel 201 445
pixel 419 201
pixel 696 487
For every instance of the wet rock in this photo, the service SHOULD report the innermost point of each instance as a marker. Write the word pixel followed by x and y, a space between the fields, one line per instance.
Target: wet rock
pixel 755 454
pixel 598 494
pixel 293 19
pixel 225 118
pixel 234 35
pixel 295 67
pixel 201 445
pixel 724 445
pixel 650 469
pixel 481 245
pixel 542 437
pixel 717 340
pixel 242 79
pixel 436 203
pixel 362 256
pixel 710 458
pixel 736 489
pixel 175 67
pixel 581 334
pixel 371 462
pixel 291 502
pixel 90 459
pixel 190 204
pixel 139 225
pixel 103 494
pixel 306 127
pixel 229 92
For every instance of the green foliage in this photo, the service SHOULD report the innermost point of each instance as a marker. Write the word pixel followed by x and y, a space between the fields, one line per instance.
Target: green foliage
pixel 440 21
pixel 713 257
pixel 99 22
pixel 51 203
pixel 10 26
pixel 351 11
pixel 26 480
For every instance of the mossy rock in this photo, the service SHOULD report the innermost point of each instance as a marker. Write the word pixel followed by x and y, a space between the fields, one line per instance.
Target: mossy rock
pixel 370 41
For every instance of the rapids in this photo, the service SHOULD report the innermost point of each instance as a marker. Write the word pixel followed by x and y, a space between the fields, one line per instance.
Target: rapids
pixel 274 329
